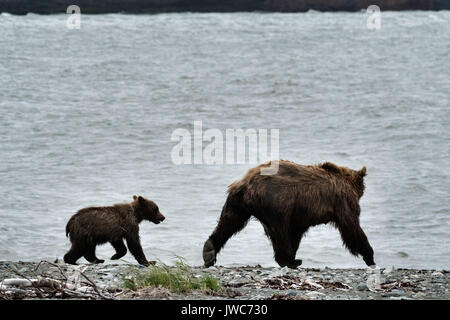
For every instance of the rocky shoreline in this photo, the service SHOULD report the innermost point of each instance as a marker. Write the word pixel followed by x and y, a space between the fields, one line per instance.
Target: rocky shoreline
pixel 21 7
pixel 106 281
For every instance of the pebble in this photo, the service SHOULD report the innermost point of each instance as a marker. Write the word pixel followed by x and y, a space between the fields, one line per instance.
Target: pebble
pixel 238 281
pixel 439 280
pixel 437 274
pixel 397 292
pixel 362 287
pixel 315 294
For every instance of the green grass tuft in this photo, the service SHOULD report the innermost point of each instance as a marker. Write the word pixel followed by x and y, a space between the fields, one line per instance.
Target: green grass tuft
pixel 180 278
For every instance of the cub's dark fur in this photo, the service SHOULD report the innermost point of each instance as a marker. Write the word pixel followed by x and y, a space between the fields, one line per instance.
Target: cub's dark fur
pixel 92 226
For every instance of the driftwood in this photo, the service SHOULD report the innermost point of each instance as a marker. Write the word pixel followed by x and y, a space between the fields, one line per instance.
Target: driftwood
pixel 45 286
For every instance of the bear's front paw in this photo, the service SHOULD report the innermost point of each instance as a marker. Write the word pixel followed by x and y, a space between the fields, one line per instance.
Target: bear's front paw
pixel 209 254
pixel 144 263
pixel 297 263
pixel 294 264
pixel 369 261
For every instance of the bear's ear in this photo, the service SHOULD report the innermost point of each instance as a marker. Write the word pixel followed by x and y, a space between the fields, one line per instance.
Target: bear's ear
pixel 134 197
pixel 141 200
pixel 362 173
pixel 330 167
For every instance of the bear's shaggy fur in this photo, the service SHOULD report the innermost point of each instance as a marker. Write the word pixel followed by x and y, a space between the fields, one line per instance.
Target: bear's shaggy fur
pixel 288 203
pixel 92 226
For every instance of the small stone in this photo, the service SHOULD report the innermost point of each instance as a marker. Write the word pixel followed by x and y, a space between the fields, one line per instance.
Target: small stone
pixel 362 287
pixel 291 293
pixel 397 292
pixel 238 282
pixel 315 294
pixel 439 280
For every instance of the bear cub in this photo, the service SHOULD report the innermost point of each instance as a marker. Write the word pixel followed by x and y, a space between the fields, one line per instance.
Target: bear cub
pixel 92 226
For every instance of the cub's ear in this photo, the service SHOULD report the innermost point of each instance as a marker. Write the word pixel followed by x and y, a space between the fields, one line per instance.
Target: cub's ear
pixel 362 172
pixel 141 200
pixel 134 197
pixel 330 167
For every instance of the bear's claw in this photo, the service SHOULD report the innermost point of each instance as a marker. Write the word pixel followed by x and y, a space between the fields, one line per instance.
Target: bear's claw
pixel 209 254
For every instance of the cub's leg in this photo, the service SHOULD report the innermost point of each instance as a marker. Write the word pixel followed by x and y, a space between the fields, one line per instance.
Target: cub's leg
pixel 120 248
pixel 89 255
pixel 134 245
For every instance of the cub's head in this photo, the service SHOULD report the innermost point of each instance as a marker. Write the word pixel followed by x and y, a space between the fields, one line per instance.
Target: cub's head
pixel 148 209
pixel 356 178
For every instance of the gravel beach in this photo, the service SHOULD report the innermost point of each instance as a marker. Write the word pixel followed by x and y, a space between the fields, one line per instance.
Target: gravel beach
pixel 106 281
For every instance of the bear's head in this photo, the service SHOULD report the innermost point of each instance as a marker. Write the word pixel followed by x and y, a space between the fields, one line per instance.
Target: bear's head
pixel 356 178
pixel 148 209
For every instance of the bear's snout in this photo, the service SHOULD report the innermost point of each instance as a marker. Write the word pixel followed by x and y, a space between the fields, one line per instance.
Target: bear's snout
pixel 159 218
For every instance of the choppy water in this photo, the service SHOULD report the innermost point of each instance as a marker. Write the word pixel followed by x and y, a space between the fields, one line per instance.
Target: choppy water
pixel 87 115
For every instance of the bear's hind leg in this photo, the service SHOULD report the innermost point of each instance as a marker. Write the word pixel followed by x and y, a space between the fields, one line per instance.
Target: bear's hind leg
pixel 356 240
pixel 230 223
pixel 89 255
pixel 73 255
pixel 120 248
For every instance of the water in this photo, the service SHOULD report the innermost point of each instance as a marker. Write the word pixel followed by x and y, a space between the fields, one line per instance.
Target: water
pixel 87 115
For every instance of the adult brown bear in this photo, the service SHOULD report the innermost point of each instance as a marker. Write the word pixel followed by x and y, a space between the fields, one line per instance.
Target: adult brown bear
pixel 290 201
